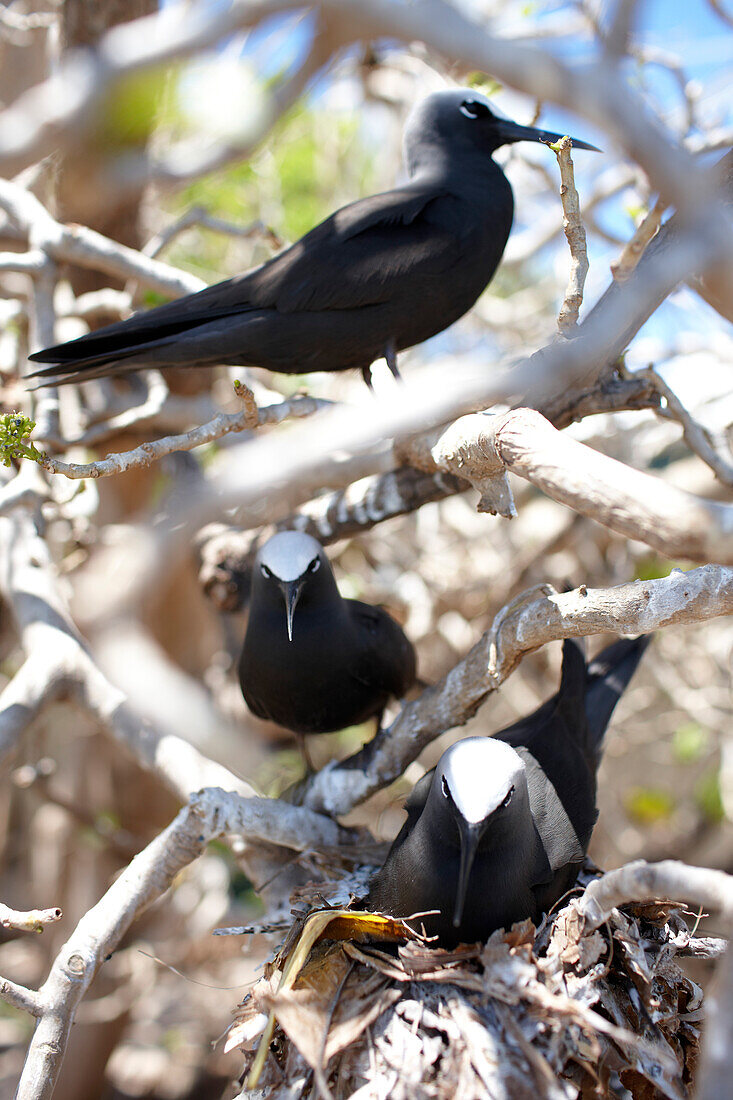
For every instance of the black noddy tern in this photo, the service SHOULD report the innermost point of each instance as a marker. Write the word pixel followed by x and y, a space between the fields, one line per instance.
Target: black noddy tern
pixel 498 831
pixel 381 274
pixel 313 661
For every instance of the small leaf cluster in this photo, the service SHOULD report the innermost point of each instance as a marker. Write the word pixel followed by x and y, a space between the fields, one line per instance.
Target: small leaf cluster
pixel 15 428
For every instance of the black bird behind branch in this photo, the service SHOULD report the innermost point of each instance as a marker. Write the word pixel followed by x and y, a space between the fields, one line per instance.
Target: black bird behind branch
pixel 379 275
pixel 313 661
pixel 498 831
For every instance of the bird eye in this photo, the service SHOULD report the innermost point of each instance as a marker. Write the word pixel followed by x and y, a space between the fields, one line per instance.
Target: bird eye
pixel 474 108
pixel 445 787
pixel 265 571
pixel 315 565
pixel 508 797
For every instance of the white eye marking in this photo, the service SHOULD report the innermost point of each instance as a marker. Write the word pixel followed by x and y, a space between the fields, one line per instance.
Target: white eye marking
pixel 445 787
pixel 473 108
pixel 265 571
pixel 315 565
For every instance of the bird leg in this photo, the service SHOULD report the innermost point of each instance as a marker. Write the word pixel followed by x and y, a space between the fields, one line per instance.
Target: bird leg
pixel 390 355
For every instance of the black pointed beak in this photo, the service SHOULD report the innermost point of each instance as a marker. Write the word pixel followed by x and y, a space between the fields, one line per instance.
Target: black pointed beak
pixel 511 131
pixel 291 594
pixel 470 834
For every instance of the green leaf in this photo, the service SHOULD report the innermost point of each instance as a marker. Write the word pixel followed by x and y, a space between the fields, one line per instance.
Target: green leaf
pixel 690 742
pixel 648 805
pixel 652 567
pixel 708 797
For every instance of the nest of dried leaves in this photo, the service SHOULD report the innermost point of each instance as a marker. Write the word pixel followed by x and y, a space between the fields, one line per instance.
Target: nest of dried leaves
pixel 357 1006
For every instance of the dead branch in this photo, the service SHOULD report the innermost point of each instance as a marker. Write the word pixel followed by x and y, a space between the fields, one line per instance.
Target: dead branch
pixel 223 424
pixel 200 218
pixel 634 249
pixel 625 500
pixel 226 553
pixel 32 920
pixel 642 881
pixel 19 997
pixel 100 930
pixel 714 452
pixel 78 245
pixel 572 224
pixel 58 664
pixel 526 623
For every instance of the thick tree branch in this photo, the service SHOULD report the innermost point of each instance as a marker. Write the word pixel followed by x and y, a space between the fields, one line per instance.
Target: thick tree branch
pixel 642 881
pixel 59 665
pixel 526 623
pixel 226 553
pixel 626 500
pixel 78 245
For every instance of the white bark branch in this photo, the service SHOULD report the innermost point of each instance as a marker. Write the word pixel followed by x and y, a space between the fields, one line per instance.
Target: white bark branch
pixel 30 920
pixel 223 424
pixel 642 881
pixel 626 500
pixel 78 245
pixel 572 223
pixel 525 624
pixel 59 664
pixel 634 249
pixel 714 452
pixel 18 996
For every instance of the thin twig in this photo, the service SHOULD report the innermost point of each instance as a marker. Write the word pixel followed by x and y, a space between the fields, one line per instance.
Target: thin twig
pixel 634 249
pixel 572 224
pixel 200 217
pixel 27 1000
pixel 715 453
pixel 32 920
pixel 223 424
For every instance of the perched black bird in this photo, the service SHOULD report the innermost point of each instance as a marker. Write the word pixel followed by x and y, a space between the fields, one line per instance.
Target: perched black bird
pixel 313 661
pixel 498 831
pixel 379 275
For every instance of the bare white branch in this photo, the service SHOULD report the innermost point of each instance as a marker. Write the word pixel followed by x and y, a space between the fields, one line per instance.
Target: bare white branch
pixel 18 996
pixel 572 224
pixel 221 425
pixel 714 452
pixel 628 501
pixel 536 617
pixel 634 249
pixel 642 881
pixel 78 245
pixel 30 920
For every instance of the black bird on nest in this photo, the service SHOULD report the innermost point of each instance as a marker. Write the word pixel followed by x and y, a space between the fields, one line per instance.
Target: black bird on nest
pixel 382 274
pixel 498 831
pixel 313 661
